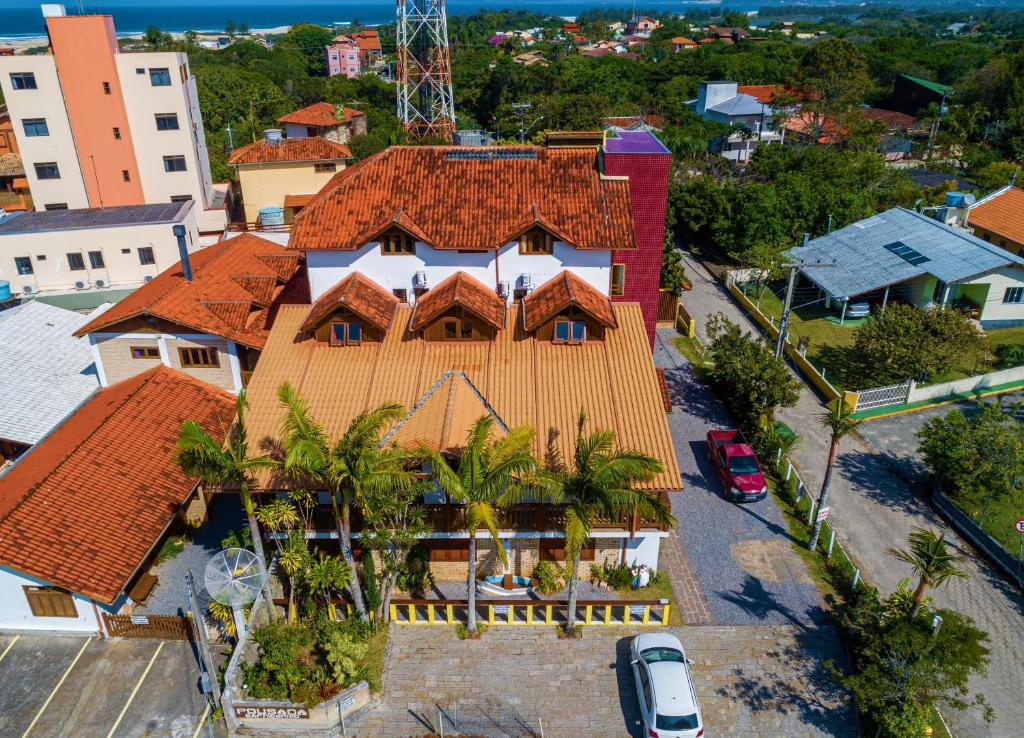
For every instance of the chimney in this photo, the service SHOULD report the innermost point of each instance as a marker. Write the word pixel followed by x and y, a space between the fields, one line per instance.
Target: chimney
pixel 272 136
pixel 807 239
pixel 186 265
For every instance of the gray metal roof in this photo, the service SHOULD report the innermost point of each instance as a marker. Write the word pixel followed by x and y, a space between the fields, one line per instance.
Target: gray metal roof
pixel 45 372
pixel 742 104
pixel 66 220
pixel 867 254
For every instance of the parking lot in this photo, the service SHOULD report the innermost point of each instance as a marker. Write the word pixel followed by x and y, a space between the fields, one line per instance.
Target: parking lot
pixel 53 686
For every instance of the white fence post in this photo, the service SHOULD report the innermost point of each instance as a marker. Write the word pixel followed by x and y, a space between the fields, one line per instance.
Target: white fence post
pixel 856 577
pixel 789 469
pixel 810 512
pixel 831 542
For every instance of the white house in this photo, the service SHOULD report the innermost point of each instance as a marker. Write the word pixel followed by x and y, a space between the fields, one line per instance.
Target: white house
pixel 721 101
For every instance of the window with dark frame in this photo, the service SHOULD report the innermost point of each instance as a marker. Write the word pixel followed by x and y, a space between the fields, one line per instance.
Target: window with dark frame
pixel 35 127
pixel 160 77
pixel 145 352
pixel 324 167
pixel 96 259
pixel 453 550
pixel 536 242
pixel 397 243
pixel 348 333
pixel 126 175
pixel 76 262
pixel 47 170
pixel 146 255
pixel 117 133
pixel 106 88
pixel 55 206
pixel 618 286
pixel 570 331
pixel 50 602
pixel 23 81
pixel 24 265
pixel 174 164
pixel 198 358
pixel 167 121
pixel 1013 296
pixel 180 198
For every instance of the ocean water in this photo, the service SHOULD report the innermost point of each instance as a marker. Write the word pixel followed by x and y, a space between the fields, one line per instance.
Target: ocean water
pixel 23 19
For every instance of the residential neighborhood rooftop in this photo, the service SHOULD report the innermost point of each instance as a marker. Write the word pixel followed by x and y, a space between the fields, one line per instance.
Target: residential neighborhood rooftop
pixel 313 148
pixel 319 115
pixel 41 221
pixel 1001 213
pixel 84 507
pixel 45 372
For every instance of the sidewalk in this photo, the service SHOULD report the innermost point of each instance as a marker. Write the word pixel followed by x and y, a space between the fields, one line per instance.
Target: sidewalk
pixel 873 510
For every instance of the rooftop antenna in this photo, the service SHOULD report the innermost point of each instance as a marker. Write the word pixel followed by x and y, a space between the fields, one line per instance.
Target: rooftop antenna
pixel 426 103
pixel 234 577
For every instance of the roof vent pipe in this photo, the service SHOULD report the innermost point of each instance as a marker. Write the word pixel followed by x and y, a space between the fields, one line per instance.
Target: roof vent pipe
pixel 186 265
pixel 807 239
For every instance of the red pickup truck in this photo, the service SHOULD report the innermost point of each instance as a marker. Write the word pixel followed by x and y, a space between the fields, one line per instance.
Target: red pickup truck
pixel 737 466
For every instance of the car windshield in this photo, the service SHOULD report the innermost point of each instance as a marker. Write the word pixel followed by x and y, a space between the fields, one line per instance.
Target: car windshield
pixel 676 722
pixel 743 465
pixel 663 653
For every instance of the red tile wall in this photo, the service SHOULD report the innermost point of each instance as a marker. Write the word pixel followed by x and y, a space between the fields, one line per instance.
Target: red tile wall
pixel 648 192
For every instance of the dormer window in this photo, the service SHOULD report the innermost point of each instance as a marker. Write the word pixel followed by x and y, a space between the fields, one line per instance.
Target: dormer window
pixel 397 243
pixel 346 333
pixel 456 329
pixel 536 242
pixel 570 331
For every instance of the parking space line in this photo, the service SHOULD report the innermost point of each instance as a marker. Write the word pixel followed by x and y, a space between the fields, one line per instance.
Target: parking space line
pixel 138 685
pixel 9 645
pixel 63 677
pixel 202 718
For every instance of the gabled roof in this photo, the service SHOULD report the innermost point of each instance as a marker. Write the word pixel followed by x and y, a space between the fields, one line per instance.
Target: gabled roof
pixel 769 93
pixel 741 104
pixel 1001 213
pixel 45 372
pixel 463 197
pixel 562 291
pixel 313 148
pixel 461 290
pixel 319 115
pixel 892 119
pixel 362 296
pixel 867 254
pixel 532 219
pixel 234 285
pixel 936 87
pixel 366 40
pixel 86 505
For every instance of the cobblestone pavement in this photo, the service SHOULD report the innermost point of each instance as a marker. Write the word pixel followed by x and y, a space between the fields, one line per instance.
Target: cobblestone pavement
pixel 741 555
pixel 874 509
pixel 751 682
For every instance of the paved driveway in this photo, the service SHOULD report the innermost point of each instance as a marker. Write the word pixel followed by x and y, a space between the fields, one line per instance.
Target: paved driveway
pixel 53 686
pixel 751 682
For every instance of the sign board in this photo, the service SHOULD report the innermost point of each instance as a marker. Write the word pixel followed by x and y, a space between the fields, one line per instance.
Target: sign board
pixel 139 619
pixel 272 712
pixel 1019 526
pixel 501 610
pixel 823 513
pixel 637 610
pixel 346 702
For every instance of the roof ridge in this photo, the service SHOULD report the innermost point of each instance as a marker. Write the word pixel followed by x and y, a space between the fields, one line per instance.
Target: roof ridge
pixel 424 398
pixel 970 238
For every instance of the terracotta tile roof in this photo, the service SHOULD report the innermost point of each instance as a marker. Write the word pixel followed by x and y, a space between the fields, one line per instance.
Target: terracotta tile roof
pixel 522 380
pixel 467 197
pixel 560 292
pixel 893 120
pixel 298 201
pixel 319 115
pixel 462 290
pixel 84 507
pixel 366 40
pixel 234 284
pixel 362 296
pixel 1002 214
pixel 683 41
pixel 768 93
pixel 313 148
pixel 657 122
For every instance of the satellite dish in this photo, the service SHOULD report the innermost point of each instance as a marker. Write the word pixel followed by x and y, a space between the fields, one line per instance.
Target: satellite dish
pixel 234 577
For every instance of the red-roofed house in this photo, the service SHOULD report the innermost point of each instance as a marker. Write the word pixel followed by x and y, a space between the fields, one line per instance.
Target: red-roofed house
pixel 325 121
pixel 212 326
pixel 364 45
pixel 681 43
pixel 999 219
pixel 83 513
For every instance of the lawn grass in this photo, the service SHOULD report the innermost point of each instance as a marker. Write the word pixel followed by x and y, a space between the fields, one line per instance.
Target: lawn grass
pixel 661 589
pixel 692 349
pixel 996 518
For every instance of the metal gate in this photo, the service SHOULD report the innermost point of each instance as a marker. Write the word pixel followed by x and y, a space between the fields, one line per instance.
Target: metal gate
pixel 161 627
pixel 894 394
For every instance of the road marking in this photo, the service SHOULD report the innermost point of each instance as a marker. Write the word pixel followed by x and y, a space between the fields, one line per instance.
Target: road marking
pixel 48 699
pixel 138 685
pixel 9 645
pixel 201 719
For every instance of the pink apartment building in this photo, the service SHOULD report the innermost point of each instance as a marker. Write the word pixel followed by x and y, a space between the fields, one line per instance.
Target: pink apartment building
pixel 343 58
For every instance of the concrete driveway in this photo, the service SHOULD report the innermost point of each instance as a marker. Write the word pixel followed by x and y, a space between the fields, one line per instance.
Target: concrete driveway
pixel 54 686
pixel 751 683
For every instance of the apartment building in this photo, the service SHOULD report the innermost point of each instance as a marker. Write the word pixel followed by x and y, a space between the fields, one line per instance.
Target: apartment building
pixel 343 58
pixel 98 127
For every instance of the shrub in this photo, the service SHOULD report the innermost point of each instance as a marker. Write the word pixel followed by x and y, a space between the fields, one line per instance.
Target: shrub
pixel 370 584
pixel 550 577
pixel 344 651
pixel 1009 355
pixel 416 577
pixel 462 630
pixel 286 661
pixel 616 576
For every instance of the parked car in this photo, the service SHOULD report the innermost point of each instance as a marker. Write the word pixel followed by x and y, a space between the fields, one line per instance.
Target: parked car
pixel 855 309
pixel 737 465
pixel 664 687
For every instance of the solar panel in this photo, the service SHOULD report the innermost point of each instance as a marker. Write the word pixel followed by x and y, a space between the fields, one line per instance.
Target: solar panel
pixel 492 155
pixel 909 255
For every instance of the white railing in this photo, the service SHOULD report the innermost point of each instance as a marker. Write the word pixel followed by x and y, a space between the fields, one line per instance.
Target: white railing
pixel 893 394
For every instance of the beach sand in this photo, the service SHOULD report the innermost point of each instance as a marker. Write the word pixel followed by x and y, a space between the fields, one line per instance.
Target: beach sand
pixel 22 44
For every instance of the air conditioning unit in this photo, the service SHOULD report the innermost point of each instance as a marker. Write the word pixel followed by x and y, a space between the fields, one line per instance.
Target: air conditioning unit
pixel 526 281
pixel 28 290
pixel 80 285
pixel 504 288
pixel 101 283
pixel 419 280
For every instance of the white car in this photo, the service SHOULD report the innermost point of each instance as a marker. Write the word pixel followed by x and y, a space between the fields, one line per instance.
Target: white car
pixel 668 704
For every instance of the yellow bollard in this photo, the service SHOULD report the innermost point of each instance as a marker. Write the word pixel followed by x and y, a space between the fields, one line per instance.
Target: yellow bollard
pixel 451 614
pixel 647 615
pixel 511 612
pixel 664 614
pixel 333 612
pixel 607 614
pixel 529 614
pixel 625 614
pixel 589 615
pixel 430 614
pixel 412 613
pixel 393 612
pixel 490 614
pixel 547 617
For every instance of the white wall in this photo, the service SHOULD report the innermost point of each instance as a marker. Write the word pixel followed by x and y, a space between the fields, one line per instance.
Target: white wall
pixel 45 102
pixel 644 550
pixel 16 615
pixel 120 269
pixel 994 311
pixel 327 268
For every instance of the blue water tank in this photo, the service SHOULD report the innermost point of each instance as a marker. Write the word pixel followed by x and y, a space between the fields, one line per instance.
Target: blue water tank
pixel 5 290
pixel 272 216
pixel 954 199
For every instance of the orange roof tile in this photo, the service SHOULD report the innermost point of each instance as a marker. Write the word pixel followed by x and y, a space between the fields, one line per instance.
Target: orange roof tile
pixel 362 296
pixel 86 505
pixel 365 40
pixel 683 41
pixel 319 115
pixel 462 290
pixel 1002 214
pixel 313 148
pixel 892 119
pixel 769 93
pixel 655 121
pixel 231 281
pixel 520 379
pixel 298 201
pixel 463 197
pixel 560 292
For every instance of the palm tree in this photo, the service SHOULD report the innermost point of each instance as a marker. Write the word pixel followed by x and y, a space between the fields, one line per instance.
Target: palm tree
pixel 839 426
pixel 326 574
pixel 199 455
pixel 600 483
pixel 349 468
pixel 490 474
pixel 933 563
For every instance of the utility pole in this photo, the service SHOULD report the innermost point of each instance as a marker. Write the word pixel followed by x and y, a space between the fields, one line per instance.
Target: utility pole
pixel 793 268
